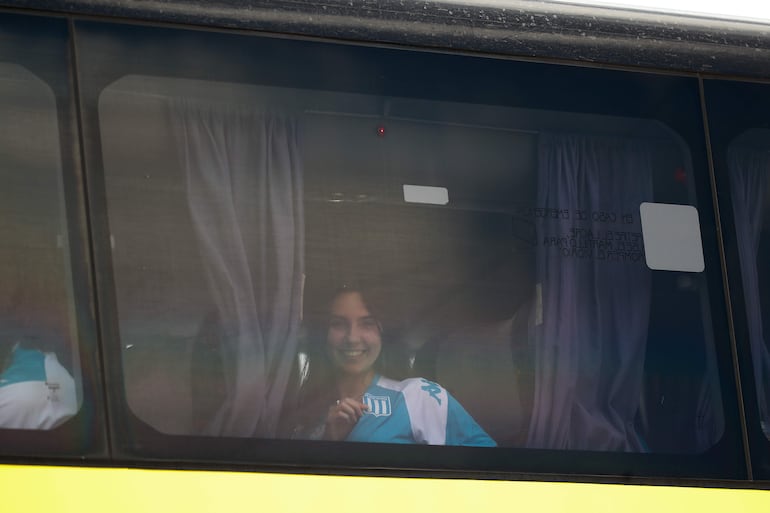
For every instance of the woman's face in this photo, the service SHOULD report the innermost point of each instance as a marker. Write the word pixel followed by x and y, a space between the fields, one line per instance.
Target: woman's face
pixel 353 340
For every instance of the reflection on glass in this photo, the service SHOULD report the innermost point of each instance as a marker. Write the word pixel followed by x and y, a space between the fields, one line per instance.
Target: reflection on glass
pixel 524 292
pixel 749 161
pixel 38 347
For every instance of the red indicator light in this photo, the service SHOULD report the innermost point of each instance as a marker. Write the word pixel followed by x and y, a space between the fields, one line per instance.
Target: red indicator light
pixel 381 131
pixel 679 175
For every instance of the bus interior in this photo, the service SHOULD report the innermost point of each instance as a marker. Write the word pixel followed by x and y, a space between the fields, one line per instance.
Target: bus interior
pixel 463 277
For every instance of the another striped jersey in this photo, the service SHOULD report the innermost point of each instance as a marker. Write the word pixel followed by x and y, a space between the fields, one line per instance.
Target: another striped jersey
pixel 36 392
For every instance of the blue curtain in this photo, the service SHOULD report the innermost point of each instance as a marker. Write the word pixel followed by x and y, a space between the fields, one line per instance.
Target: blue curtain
pixel 749 170
pixel 593 307
pixel 244 192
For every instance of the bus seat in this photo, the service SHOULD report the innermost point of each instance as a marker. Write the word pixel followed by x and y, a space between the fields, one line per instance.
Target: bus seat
pixel 487 371
pixel 207 380
pixel 157 374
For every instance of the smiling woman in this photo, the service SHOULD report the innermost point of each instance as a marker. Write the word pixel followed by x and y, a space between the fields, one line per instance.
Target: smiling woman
pixel 348 400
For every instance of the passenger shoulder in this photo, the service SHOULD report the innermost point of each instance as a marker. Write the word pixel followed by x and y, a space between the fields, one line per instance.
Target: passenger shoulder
pixel 425 392
pixel 421 383
pixel 408 384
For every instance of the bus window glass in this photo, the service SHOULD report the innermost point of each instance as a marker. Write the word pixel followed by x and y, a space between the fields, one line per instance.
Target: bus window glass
pixel 748 161
pixel 238 220
pixel 39 377
pixel 380 248
pixel 739 129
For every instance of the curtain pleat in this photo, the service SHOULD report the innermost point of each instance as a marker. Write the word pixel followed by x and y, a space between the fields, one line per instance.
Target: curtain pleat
pixel 590 340
pixel 749 170
pixel 244 191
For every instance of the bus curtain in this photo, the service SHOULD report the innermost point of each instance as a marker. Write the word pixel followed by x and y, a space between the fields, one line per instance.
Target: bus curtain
pixel 748 170
pixel 590 334
pixel 244 191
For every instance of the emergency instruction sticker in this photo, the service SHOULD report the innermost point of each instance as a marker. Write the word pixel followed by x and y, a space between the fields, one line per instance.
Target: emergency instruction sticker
pixel 672 238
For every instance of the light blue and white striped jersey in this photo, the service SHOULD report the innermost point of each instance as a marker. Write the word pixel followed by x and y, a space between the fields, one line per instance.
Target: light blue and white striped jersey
pixel 36 392
pixel 415 411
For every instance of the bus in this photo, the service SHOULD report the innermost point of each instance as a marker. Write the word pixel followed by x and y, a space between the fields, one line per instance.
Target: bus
pixel 380 254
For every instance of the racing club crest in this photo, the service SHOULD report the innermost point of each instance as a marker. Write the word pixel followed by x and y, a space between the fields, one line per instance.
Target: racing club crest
pixel 379 406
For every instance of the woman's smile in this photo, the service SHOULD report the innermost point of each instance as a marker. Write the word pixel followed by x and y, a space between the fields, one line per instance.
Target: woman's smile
pixel 353 353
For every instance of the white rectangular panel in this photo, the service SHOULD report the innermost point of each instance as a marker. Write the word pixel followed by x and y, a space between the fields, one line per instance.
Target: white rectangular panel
pixel 425 194
pixel 672 239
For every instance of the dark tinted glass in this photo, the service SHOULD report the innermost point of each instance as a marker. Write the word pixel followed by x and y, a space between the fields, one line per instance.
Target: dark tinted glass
pixel 739 123
pixel 46 341
pixel 311 243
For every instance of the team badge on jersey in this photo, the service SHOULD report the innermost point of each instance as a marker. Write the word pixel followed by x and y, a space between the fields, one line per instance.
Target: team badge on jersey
pixel 379 406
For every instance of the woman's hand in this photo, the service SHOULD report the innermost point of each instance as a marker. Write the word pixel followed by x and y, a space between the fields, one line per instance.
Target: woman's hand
pixel 342 417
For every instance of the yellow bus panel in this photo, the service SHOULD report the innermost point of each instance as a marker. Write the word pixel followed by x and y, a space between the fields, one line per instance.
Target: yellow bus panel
pixel 26 489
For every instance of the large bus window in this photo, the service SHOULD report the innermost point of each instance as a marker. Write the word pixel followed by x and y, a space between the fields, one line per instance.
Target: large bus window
pixel 741 141
pixel 400 247
pixel 45 350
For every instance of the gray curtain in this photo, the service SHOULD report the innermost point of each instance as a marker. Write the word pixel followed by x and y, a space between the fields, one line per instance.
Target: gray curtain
pixel 244 190
pixel 749 169
pixel 591 329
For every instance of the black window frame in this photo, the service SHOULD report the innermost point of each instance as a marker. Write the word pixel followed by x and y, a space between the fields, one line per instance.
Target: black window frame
pixel 681 112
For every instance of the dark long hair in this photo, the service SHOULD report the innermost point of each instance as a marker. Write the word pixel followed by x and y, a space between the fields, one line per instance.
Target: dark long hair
pixel 319 389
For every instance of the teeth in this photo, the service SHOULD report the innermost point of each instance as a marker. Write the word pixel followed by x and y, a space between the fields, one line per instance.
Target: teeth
pixel 351 354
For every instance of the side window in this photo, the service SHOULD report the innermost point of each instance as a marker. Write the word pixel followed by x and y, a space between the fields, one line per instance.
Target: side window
pixel 39 337
pixel 401 247
pixel 748 161
pixel 46 348
pixel 741 140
